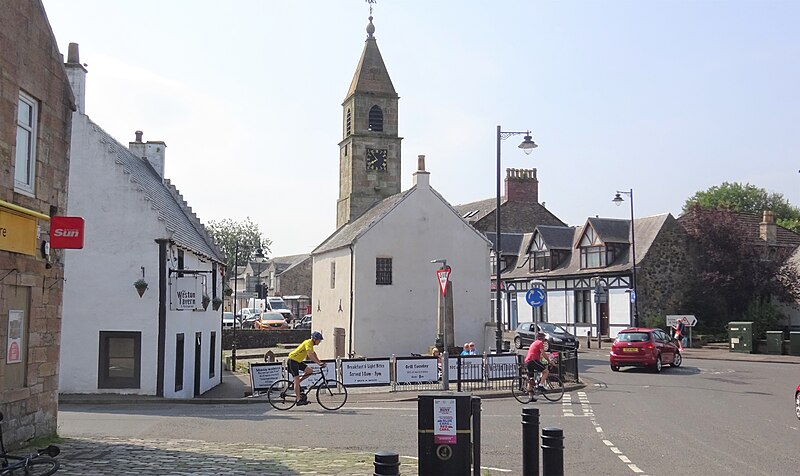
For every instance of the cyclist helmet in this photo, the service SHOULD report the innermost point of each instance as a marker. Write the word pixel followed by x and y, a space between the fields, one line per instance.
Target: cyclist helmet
pixel 316 335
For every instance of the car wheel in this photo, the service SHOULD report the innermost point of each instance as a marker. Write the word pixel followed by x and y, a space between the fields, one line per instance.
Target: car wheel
pixel 678 360
pixel 797 404
pixel 517 342
pixel 615 368
pixel 658 366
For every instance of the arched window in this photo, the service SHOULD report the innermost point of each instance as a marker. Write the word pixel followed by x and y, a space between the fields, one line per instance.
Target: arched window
pixel 349 129
pixel 376 119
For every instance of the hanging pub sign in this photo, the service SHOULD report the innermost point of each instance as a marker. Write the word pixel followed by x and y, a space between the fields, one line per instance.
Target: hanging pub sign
pixel 185 293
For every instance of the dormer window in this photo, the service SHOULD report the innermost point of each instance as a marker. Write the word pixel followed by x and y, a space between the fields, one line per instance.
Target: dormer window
pixel 375 119
pixel 594 253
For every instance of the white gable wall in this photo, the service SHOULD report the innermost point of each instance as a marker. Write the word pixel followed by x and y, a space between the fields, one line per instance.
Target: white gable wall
pixel 330 306
pixel 401 318
pixel 120 232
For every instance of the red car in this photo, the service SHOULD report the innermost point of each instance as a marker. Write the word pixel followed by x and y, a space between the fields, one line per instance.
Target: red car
pixel 644 348
pixel 797 402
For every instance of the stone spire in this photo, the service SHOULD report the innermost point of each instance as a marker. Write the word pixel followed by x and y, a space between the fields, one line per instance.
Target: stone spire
pixel 371 74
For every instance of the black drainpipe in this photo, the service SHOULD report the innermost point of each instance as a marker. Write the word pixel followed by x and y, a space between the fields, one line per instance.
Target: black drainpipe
pixel 162 314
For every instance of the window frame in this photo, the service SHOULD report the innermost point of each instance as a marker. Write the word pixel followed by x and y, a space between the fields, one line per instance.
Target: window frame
pixel 375 119
pixel 29 186
pixel 383 271
pixel 583 306
pixel 103 378
pixel 212 355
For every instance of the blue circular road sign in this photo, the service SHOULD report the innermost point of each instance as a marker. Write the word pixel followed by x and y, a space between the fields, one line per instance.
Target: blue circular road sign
pixel 535 297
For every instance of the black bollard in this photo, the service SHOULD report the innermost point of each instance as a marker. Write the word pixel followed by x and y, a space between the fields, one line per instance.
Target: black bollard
pixel 552 451
pixel 386 463
pixel 476 436
pixel 530 439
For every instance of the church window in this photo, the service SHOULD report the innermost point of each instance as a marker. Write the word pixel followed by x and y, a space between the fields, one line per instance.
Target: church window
pixel 376 119
pixel 333 274
pixel 349 123
pixel 383 271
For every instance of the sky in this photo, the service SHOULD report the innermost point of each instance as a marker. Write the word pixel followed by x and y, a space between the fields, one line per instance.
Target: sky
pixel 663 97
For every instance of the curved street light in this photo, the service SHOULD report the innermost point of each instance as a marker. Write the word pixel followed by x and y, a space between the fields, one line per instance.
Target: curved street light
pixel 527 146
pixel 635 297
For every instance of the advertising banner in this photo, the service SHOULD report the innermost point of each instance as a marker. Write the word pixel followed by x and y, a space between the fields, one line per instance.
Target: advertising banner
pixel 365 372
pixel 185 293
pixel 15 347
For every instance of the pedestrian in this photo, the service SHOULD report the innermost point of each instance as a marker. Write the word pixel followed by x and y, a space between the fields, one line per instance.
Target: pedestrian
pixel 466 349
pixel 679 330
pixel 472 350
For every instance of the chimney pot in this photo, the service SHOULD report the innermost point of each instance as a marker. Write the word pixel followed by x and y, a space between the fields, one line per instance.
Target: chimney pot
pixel 73 56
pixel 421 163
pixel 139 136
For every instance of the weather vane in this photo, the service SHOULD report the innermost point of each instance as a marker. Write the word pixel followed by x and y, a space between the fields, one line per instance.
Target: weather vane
pixel 370 5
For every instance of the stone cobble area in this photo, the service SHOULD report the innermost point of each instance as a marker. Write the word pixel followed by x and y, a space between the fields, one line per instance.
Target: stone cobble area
pixel 122 456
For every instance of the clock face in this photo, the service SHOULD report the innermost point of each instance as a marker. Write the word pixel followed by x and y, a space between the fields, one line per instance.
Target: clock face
pixel 376 159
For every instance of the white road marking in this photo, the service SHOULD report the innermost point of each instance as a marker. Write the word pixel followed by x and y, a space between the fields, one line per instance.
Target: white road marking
pixel 587 410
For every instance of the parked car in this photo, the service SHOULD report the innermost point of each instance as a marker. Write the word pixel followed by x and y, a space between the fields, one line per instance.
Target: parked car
pixel 304 323
pixel 275 303
pixel 248 322
pixel 270 320
pixel 227 320
pixel 797 402
pixel 644 348
pixel 556 337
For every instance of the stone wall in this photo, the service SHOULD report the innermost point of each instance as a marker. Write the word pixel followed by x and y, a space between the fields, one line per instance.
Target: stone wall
pixel 259 339
pixel 296 280
pixel 30 62
pixel 665 275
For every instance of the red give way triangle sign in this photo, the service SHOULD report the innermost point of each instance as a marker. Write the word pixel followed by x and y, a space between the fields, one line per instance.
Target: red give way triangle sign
pixel 443 275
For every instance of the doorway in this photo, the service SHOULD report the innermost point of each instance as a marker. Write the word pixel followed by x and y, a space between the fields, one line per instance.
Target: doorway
pixel 603 307
pixel 198 352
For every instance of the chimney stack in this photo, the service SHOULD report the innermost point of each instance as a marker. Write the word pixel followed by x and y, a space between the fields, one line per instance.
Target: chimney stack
pixel 421 178
pixel 767 229
pixel 522 186
pixel 76 74
pixel 151 151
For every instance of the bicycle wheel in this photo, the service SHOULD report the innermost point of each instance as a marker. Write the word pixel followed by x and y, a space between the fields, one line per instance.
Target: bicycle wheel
pixel 553 388
pixel 519 388
pixel 281 395
pixel 332 394
pixel 40 466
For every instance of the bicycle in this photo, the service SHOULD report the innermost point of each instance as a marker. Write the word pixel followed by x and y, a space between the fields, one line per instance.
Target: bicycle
pixel 38 463
pixel 553 388
pixel 331 394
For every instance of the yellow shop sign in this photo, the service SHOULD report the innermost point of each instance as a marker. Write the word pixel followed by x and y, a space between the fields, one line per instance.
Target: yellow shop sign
pixel 17 232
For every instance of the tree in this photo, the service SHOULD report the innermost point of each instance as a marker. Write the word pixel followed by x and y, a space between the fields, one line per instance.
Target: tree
pixel 227 233
pixel 738 278
pixel 747 198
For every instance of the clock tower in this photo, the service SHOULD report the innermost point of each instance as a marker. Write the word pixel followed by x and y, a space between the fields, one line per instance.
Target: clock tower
pixel 369 153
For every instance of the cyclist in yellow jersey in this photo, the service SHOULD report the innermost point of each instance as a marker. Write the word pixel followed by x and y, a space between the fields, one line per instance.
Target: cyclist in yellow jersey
pixel 294 364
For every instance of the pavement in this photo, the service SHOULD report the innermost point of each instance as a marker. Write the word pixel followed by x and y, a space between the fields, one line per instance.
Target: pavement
pixel 118 456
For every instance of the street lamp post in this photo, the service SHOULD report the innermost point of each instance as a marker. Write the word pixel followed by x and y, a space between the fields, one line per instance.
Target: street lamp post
pixel 618 201
pixel 527 146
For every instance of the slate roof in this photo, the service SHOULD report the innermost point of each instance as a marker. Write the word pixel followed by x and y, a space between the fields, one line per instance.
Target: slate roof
pixel 348 233
pixel 179 219
pixel 510 242
pixel 750 226
pixel 513 213
pixel 285 263
pixel 612 230
pixel 646 228
pixel 556 237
